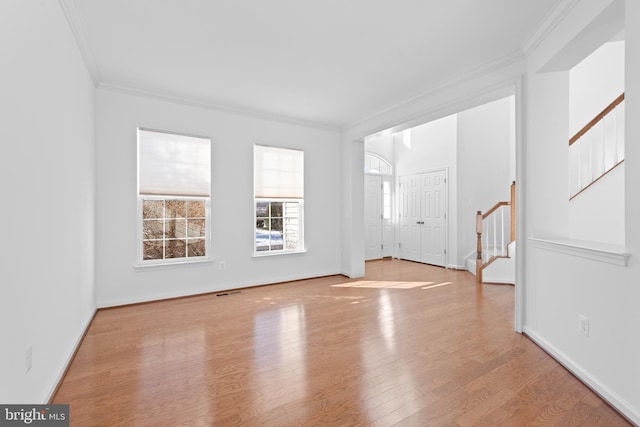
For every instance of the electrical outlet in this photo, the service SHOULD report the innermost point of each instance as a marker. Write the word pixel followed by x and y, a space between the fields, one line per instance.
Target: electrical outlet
pixel 28 359
pixel 222 265
pixel 583 324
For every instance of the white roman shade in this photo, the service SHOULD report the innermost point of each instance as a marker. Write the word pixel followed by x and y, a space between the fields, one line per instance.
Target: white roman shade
pixel 172 164
pixel 278 172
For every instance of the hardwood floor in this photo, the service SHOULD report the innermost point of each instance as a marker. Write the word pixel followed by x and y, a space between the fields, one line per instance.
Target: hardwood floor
pixel 408 345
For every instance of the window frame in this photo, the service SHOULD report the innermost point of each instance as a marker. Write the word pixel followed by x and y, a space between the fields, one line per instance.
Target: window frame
pixel 140 261
pixel 284 250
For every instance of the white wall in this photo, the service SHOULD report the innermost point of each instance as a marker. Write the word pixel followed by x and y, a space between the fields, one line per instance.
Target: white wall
pixel 560 286
pixel 233 136
pixel 597 214
pixel 594 83
pixel 46 174
pixel 485 140
pixel 433 146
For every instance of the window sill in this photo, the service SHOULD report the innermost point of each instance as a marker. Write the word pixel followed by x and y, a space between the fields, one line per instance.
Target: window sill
pixel 612 254
pixel 270 254
pixel 164 265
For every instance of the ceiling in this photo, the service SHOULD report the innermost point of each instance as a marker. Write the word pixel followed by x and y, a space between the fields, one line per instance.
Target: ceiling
pixel 329 63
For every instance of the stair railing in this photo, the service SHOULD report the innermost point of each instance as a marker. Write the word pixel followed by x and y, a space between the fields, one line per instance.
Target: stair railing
pixel 498 225
pixel 597 148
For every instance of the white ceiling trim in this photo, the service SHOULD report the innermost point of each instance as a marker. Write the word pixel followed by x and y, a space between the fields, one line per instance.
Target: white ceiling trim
pixel 77 29
pixel 549 23
pixel 115 87
pixel 487 68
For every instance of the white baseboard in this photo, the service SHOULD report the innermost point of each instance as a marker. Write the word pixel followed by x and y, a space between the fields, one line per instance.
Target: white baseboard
pixel 456 267
pixel 54 387
pixel 625 408
pixel 108 303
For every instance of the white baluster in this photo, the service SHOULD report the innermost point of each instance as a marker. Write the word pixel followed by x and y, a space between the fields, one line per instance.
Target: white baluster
pixel 495 239
pixel 502 251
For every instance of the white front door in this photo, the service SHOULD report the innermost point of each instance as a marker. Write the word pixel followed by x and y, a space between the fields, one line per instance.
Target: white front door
pixel 423 217
pixel 433 221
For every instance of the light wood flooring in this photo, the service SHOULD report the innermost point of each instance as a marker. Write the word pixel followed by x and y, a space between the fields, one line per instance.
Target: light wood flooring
pixel 408 345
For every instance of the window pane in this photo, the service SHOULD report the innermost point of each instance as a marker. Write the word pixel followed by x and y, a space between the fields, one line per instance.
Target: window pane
pixel 196 247
pixel 152 209
pixel 176 209
pixel 152 229
pixel 196 209
pixel 276 225
pixel 152 250
pixel 276 234
pixel 276 209
pixel 196 228
pixel 262 234
pixel 262 209
pixel 175 228
pixel 175 248
pixel 386 200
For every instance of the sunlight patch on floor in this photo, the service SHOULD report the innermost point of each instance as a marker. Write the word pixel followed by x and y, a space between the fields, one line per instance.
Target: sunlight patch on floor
pixel 437 285
pixel 382 284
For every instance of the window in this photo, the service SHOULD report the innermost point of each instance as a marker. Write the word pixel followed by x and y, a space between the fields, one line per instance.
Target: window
pixel 279 196
pixel 174 174
pixel 375 164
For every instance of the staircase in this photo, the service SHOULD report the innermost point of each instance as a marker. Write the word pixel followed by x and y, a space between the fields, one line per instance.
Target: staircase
pixel 496 243
pixel 597 148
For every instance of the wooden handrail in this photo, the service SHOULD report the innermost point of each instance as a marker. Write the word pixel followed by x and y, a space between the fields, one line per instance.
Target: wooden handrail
pixel 495 208
pixel 597 118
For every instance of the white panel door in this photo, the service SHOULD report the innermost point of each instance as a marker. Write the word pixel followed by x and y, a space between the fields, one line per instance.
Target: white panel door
pixel 423 218
pixel 373 216
pixel 409 210
pixel 433 221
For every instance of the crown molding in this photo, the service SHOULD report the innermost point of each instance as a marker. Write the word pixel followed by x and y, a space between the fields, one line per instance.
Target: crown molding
pixel 77 29
pixel 484 69
pixel 145 93
pixel 548 24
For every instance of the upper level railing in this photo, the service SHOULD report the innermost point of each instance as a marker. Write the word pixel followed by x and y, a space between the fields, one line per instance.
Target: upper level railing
pixel 495 229
pixel 597 148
